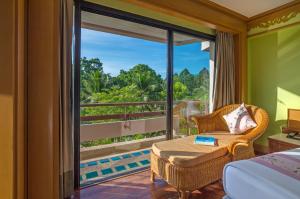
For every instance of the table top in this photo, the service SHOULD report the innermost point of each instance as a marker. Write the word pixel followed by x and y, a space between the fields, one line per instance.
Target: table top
pixel 282 137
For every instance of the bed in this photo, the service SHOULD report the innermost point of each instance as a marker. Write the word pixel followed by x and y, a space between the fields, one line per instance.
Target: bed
pixel 274 176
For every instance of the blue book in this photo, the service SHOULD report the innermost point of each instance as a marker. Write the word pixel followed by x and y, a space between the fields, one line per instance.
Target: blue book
pixel 205 140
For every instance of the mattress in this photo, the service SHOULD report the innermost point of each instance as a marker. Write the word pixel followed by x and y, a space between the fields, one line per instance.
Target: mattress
pixel 249 179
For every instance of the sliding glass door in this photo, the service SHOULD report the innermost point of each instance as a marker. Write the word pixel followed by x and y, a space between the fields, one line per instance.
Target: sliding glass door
pixel 136 82
pixel 193 65
pixel 123 94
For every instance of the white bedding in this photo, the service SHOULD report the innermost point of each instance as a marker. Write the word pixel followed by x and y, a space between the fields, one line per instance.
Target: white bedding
pixel 247 179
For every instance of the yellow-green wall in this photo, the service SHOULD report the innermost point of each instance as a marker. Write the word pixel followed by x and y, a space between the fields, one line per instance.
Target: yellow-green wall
pixel 274 75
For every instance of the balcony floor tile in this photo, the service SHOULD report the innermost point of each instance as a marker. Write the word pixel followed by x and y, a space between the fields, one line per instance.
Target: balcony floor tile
pixel 108 167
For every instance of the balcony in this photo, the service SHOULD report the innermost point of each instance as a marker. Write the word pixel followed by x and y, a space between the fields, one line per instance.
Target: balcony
pixel 118 144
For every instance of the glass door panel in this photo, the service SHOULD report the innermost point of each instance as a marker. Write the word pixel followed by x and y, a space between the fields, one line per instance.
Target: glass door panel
pixel 122 95
pixel 193 66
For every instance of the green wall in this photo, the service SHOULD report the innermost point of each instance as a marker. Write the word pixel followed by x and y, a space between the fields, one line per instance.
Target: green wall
pixel 274 75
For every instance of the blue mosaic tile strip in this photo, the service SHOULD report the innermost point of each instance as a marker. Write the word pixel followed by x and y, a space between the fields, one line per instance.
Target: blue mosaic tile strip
pixel 126 156
pixel 92 174
pixel 106 171
pixel 103 161
pixel 136 154
pixel 133 165
pixel 120 168
pixel 94 163
pixel 146 151
pixel 116 158
pixel 82 166
pixel 113 166
pixel 145 162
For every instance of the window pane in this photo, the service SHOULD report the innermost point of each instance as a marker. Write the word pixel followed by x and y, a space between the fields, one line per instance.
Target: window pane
pixel 193 63
pixel 123 95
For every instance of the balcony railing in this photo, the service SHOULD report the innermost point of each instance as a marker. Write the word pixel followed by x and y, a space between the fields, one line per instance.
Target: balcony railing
pixel 125 115
pixel 127 123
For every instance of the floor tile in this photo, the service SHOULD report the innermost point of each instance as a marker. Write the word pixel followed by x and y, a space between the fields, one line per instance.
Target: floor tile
pixel 92 174
pixel 120 168
pixel 144 162
pixel 106 171
pixel 114 165
pixel 146 151
pixel 133 165
pixel 94 163
pixel 126 156
pixel 102 161
pixel 136 154
pixel 116 158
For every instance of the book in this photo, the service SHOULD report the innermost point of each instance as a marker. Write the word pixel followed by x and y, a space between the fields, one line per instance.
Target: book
pixel 205 140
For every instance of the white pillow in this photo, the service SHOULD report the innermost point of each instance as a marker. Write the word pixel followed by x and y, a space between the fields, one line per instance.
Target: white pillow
pixel 239 120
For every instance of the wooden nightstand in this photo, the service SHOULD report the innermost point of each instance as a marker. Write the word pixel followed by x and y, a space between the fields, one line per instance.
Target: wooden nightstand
pixel 280 142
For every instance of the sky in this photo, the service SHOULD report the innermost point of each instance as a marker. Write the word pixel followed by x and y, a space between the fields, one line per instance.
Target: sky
pixel 118 52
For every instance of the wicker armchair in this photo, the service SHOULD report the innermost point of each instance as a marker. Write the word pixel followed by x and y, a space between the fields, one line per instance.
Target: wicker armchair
pixel 243 147
pixel 207 167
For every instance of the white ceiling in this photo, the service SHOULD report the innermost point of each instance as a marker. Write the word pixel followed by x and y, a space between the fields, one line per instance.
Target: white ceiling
pixel 250 8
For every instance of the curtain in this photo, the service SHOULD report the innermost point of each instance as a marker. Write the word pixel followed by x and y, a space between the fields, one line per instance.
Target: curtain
pixel 66 132
pixel 224 71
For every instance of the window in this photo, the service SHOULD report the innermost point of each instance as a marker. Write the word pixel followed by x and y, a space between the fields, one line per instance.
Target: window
pixel 193 63
pixel 140 79
pixel 123 69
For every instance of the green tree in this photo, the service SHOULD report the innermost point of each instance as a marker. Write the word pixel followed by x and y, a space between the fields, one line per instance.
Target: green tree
pixel 145 79
pixel 202 79
pixel 92 78
pixel 126 94
pixel 129 93
pixel 201 83
pixel 187 79
pixel 201 89
pixel 180 91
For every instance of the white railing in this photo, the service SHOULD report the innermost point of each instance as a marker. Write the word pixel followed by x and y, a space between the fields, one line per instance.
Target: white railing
pixel 90 132
pixel 155 121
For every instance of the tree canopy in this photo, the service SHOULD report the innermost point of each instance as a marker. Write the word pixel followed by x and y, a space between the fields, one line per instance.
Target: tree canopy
pixel 140 83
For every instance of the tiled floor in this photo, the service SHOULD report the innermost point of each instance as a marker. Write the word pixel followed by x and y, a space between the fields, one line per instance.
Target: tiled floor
pixel 101 169
pixel 138 186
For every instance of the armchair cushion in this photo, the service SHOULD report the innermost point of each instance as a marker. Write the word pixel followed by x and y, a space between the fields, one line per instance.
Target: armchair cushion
pixel 183 152
pixel 239 120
